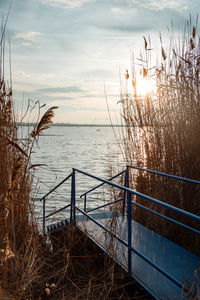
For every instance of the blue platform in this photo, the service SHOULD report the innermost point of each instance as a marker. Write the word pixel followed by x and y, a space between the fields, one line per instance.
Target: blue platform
pixel 166 270
pixel 171 257
pixel 174 259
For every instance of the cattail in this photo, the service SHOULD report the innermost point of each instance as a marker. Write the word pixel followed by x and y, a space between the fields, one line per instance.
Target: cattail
pixel 127 75
pixel 192 44
pixel 145 72
pixel 164 56
pixel 145 43
pixel 193 32
pixel 134 83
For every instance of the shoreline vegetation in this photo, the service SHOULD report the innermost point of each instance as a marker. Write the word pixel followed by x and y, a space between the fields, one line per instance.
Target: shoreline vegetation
pixel 30 268
pixel 174 147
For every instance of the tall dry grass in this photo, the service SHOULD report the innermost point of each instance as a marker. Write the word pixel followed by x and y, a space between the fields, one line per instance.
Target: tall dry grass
pixel 85 272
pixel 30 266
pixel 20 241
pixel 162 130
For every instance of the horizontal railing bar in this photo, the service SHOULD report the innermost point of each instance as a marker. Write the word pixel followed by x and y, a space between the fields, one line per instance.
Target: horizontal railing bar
pixel 166 274
pixel 56 186
pixel 55 212
pixel 97 198
pixel 107 204
pixel 99 185
pixel 102 226
pixel 167 218
pixel 165 174
pixel 168 206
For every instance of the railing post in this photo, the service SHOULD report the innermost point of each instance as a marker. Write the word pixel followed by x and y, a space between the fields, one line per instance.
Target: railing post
pixel 85 205
pixel 44 204
pixel 126 184
pixel 73 201
pixel 129 216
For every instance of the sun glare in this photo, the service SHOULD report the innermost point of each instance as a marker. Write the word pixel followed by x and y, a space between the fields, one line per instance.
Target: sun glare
pixel 145 86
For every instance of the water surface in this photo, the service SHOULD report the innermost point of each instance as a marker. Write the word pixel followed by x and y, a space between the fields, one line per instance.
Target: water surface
pixel 61 148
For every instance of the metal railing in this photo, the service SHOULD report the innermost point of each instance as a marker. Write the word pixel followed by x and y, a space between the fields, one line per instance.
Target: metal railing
pixel 126 205
pixel 43 199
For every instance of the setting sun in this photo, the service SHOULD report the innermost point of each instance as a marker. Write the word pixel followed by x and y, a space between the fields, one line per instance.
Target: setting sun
pixel 141 84
pixel 144 86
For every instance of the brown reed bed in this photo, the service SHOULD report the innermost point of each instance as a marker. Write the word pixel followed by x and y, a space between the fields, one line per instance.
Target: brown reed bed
pixel 162 131
pixel 31 266
pixel 20 241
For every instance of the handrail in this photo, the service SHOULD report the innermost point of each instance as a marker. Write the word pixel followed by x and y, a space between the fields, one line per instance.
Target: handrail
pixel 59 184
pixel 128 192
pixel 166 218
pixel 162 271
pixel 166 205
pixel 164 174
pixel 44 199
pixel 107 204
pixel 57 211
pixel 94 188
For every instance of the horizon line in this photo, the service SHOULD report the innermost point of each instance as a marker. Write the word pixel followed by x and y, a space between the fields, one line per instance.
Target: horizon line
pixel 73 124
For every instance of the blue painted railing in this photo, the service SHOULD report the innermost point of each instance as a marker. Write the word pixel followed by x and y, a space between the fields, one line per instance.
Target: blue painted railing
pixel 126 205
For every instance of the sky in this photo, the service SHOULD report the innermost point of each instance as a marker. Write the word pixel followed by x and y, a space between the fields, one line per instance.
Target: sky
pixel 73 53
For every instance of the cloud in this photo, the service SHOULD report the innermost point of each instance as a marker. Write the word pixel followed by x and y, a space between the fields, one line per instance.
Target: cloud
pixel 66 3
pixel 26 44
pixel 27 36
pixel 60 95
pixel 21 74
pixel 117 10
pixel 48 75
pixel 68 89
pixel 156 5
pixel 134 16
pixel 83 43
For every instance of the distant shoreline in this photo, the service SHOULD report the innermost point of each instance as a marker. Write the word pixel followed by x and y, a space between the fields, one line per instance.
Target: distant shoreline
pixel 75 125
